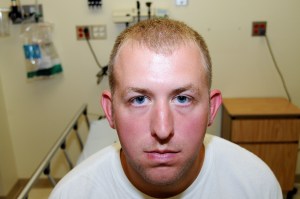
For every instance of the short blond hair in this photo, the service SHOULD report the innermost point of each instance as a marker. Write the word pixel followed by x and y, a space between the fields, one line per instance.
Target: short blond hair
pixel 160 35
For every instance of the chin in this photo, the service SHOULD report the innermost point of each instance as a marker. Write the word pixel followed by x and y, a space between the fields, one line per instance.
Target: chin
pixel 164 176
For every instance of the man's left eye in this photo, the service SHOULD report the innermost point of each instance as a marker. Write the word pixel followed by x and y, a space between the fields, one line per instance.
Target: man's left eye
pixel 181 99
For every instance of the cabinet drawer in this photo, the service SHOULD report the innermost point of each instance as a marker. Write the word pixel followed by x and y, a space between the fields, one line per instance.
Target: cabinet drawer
pixel 281 158
pixel 265 130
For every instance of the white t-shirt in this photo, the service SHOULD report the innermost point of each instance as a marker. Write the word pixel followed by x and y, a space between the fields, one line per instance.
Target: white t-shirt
pixel 228 171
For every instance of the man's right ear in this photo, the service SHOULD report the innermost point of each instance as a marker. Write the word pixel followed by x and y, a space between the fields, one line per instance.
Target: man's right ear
pixel 106 102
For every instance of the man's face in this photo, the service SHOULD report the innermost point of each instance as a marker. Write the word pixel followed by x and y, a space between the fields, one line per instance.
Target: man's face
pixel 160 110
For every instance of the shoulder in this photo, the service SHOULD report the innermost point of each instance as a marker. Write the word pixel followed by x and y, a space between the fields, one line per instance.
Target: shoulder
pixel 85 176
pixel 220 146
pixel 232 154
pixel 97 160
pixel 240 167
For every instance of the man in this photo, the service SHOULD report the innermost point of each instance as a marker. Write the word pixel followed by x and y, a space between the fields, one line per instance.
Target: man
pixel 161 103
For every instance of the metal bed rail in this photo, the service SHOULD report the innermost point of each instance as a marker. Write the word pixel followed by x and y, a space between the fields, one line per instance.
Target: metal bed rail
pixel 44 166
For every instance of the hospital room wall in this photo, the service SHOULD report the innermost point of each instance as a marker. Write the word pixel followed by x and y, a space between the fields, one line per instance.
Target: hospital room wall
pixel 38 111
pixel 8 171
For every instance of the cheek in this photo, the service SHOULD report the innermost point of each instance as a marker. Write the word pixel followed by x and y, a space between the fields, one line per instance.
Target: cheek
pixel 192 128
pixel 131 129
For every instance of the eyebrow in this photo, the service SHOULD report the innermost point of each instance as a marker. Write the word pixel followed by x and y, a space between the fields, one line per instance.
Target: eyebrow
pixel 188 87
pixel 176 91
pixel 137 90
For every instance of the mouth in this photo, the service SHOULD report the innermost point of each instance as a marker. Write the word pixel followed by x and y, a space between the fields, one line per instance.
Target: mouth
pixel 162 157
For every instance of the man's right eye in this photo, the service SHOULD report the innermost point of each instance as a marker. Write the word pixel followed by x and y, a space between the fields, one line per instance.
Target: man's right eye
pixel 139 100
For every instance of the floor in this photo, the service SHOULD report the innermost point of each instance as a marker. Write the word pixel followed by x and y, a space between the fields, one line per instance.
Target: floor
pixel 39 193
pixel 43 193
pixel 297 196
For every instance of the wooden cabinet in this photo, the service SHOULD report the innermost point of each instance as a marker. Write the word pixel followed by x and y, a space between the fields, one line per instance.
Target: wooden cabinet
pixel 269 127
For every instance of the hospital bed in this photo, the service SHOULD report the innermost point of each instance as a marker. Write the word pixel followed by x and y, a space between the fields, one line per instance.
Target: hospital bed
pixel 99 136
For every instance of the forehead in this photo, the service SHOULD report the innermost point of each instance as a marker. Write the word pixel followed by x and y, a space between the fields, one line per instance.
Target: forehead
pixel 137 64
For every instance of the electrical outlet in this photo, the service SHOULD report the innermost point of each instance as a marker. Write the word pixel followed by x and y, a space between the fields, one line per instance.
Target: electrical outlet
pixel 80 32
pixel 91 32
pixel 259 28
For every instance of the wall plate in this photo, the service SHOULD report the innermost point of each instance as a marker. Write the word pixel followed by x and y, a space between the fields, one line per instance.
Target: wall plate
pixel 94 32
pixel 181 2
pixel 259 28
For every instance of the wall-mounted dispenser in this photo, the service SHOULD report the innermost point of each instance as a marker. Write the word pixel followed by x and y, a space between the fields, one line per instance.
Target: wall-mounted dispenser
pixel 41 57
pixel 25 13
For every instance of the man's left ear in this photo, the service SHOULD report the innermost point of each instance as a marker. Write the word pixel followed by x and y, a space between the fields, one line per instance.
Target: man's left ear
pixel 215 102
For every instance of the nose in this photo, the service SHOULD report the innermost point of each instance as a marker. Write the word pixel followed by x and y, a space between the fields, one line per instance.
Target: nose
pixel 162 122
